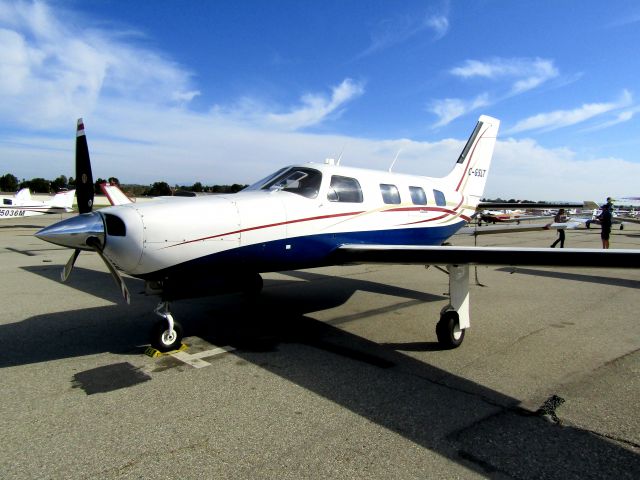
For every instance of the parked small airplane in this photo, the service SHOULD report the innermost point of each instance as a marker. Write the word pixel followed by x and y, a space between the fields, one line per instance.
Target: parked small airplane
pixel 22 205
pixel 302 216
pixel 507 216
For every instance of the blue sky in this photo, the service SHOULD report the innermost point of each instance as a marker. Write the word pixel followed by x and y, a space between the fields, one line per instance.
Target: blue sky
pixel 226 92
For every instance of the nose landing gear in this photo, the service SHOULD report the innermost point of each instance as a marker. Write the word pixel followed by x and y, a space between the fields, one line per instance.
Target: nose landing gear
pixel 166 334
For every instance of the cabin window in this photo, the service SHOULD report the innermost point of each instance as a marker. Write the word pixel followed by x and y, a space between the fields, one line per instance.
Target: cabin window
pixel 7 201
pixel 390 193
pixel 344 189
pixel 441 200
pixel 298 180
pixel 418 197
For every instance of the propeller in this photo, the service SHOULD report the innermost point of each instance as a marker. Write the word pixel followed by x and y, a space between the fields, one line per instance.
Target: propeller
pixel 87 230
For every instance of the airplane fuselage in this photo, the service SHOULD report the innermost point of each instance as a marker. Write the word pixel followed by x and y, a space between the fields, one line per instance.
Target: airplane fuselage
pixel 275 226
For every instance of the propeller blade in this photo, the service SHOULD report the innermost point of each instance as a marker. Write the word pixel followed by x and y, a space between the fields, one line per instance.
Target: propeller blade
pixel 84 178
pixel 66 271
pixel 116 276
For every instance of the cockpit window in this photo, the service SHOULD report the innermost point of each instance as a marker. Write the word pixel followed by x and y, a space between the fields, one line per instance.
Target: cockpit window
pixel 298 180
pixel 258 185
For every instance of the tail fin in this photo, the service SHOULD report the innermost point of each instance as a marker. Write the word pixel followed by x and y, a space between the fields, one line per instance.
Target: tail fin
pixel 469 175
pixel 23 195
pixel 63 200
pixel 84 178
pixel 114 194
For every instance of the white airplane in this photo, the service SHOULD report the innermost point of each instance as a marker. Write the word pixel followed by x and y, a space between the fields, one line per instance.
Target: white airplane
pixel 21 204
pixel 302 216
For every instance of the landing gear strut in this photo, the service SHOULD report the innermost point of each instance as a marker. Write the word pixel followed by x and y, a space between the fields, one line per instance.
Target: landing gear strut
pixel 166 334
pixel 454 318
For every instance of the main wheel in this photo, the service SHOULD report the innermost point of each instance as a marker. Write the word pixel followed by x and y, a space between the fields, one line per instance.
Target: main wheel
pixel 448 330
pixel 163 340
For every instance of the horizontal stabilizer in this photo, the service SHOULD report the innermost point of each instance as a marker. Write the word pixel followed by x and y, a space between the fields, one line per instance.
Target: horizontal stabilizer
pixel 63 200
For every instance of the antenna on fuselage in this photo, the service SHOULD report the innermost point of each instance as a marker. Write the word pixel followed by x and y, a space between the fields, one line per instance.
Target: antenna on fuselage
pixel 341 152
pixel 395 158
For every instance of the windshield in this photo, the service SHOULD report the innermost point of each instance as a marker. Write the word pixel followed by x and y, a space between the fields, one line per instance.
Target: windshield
pixel 258 185
pixel 298 180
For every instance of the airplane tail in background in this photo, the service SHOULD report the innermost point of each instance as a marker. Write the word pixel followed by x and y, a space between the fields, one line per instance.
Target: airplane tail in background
pixel 469 175
pixel 24 195
pixel 63 200
pixel 114 194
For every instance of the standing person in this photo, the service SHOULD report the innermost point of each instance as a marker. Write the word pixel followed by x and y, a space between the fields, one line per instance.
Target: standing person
pixel 605 223
pixel 559 218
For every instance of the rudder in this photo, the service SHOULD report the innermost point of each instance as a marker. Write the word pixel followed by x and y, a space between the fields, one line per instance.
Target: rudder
pixel 470 173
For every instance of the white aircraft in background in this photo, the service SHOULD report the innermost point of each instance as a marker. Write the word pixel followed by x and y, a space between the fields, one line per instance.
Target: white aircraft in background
pixel 21 204
pixel 302 216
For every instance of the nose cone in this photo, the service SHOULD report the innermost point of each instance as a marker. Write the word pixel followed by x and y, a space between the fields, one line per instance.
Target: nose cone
pixel 75 231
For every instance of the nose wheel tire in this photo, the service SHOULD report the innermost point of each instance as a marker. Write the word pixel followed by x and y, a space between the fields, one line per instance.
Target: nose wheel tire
pixel 163 339
pixel 448 330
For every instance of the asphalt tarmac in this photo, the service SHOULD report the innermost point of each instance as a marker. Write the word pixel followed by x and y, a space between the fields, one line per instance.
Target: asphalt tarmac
pixel 329 373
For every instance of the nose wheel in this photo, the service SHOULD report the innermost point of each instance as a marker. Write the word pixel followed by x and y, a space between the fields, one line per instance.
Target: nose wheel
pixel 166 334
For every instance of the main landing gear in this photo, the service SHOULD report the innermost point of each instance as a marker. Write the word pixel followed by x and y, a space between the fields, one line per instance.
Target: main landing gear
pixel 454 318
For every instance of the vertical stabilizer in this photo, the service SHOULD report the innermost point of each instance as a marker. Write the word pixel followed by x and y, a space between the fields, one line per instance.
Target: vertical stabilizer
pixel 84 178
pixel 24 195
pixel 470 173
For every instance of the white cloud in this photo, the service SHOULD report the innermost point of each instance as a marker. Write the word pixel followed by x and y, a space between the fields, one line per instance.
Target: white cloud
pixel 182 148
pixel 621 117
pixel 525 73
pixel 439 24
pixel 449 109
pixel 315 107
pixel 563 118
pixel 524 169
pixel 50 69
pixel 522 74
pixel 399 29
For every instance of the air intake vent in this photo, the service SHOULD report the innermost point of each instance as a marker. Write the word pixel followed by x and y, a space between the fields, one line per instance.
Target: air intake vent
pixel 115 225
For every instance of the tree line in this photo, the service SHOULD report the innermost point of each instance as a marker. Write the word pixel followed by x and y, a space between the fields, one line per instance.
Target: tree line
pixel 11 183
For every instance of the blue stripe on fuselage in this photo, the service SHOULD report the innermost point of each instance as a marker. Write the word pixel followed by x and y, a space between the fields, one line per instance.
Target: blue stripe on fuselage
pixel 300 252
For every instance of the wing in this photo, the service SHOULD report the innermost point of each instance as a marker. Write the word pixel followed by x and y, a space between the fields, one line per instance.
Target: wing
pixel 447 255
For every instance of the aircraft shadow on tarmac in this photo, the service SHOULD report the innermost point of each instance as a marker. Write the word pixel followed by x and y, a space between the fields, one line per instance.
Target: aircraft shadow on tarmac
pixel 470 424
pixel 124 329
pixel 577 277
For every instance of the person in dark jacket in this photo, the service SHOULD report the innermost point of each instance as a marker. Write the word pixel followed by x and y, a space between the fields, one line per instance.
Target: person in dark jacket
pixel 605 218
pixel 559 218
